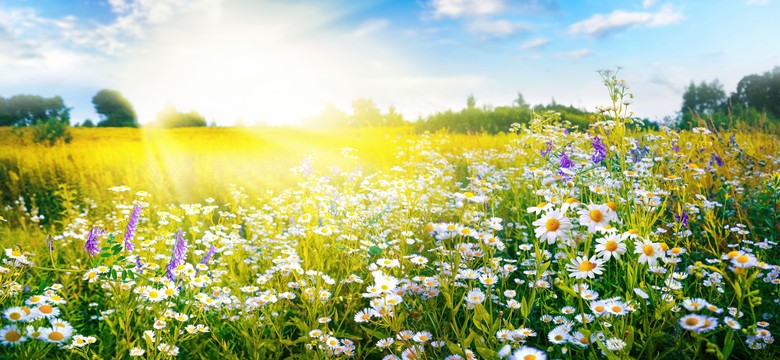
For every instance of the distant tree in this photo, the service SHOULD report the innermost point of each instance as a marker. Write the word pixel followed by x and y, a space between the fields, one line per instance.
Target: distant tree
pixel 520 101
pixel 115 109
pixel 761 92
pixel 701 100
pixel 393 118
pixel 170 118
pixel 213 123
pixel 471 102
pixel 88 123
pixel 25 110
pixel 365 113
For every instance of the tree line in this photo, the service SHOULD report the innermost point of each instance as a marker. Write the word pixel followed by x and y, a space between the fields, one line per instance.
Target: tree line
pixel 755 102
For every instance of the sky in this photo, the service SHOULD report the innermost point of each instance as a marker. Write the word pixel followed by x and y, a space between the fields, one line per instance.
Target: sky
pixel 278 62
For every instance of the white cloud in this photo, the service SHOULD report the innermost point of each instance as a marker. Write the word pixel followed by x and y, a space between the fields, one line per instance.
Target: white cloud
pixel 575 54
pixel 648 3
pixel 460 8
pixel 496 28
pixel 370 26
pixel 535 43
pixel 600 25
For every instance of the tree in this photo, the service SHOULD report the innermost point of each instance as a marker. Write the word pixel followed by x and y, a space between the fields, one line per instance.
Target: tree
pixel 393 118
pixel 170 118
pixel 704 99
pixel 88 123
pixel 520 101
pixel 365 113
pixel 25 110
pixel 471 102
pixel 115 110
pixel 761 92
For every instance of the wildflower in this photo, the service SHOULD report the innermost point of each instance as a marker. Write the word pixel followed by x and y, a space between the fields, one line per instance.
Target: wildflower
pixel 551 226
pixel 209 254
pixel 744 261
pixel 559 335
pixel 56 335
pixel 10 336
pixel 92 245
pixel 136 351
pixel 566 163
pixel 582 268
pixel 383 343
pixel 649 252
pixel 422 336
pixel 15 314
pixel 528 353
pixel 47 311
pixel 732 323
pixel 599 150
pixel 475 296
pixel 610 246
pixel 614 344
pixel 132 224
pixel 695 304
pixel 179 254
pixel 595 215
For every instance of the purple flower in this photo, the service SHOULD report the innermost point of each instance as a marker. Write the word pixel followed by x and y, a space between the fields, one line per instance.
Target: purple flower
pixel 179 254
pixel 138 265
pixel 600 150
pixel 675 146
pixel 132 224
pixel 566 163
pixel 683 219
pixel 92 241
pixel 717 159
pixel 548 150
pixel 209 254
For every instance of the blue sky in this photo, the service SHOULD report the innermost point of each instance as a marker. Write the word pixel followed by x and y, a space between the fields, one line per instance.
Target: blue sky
pixel 280 61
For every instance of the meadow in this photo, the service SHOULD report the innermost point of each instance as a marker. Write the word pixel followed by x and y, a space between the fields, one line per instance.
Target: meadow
pixel 262 243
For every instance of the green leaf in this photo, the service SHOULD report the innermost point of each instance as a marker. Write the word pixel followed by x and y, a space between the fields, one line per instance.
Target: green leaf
pixel 105 254
pixel 374 250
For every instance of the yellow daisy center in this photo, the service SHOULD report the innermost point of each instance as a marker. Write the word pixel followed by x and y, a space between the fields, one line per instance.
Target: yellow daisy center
pixel 56 336
pixel 552 224
pixel 596 215
pixel 12 336
pixel 648 250
pixel 691 321
pixel 16 253
pixel 743 259
pixel 612 206
pixel 587 266
pixel 611 246
pixel 529 357
pixel 46 309
pixel 15 316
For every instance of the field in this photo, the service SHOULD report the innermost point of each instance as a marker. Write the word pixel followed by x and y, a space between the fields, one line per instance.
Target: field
pixel 262 243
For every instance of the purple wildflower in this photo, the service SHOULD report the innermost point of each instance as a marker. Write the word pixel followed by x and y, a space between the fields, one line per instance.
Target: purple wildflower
pixel 132 224
pixel 548 150
pixel 683 219
pixel 179 254
pixel 717 159
pixel 209 254
pixel 600 150
pixel 566 163
pixel 92 241
pixel 675 146
pixel 138 265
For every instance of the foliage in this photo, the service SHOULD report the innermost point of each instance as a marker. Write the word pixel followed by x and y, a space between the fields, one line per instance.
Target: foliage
pixel 114 109
pixel 24 110
pixel 170 118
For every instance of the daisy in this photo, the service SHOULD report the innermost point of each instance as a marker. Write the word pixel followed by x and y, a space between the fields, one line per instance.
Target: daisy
pixel 595 215
pixel 15 314
pixel 10 336
pixel 615 344
pixel 551 226
pixel 649 252
pixel 47 311
pixel 528 353
pixel 744 261
pixel 363 315
pixel 732 323
pixel 692 322
pixel 695 304
pixel 617 308
pixel 610 246
pixel 582 268
pixel 542 207
pixel 55 335
pixel 422 337
pixel 559 335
